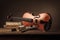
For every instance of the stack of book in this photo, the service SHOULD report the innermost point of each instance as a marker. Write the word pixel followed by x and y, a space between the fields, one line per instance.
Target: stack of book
pixel 12 24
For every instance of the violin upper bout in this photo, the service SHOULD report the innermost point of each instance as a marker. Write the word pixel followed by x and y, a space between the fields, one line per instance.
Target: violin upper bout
pixel 27 15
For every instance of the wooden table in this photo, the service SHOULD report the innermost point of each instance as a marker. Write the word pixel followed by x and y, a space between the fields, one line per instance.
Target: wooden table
pixel 4 31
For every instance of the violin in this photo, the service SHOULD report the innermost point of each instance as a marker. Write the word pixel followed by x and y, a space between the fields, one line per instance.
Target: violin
pixel 29 20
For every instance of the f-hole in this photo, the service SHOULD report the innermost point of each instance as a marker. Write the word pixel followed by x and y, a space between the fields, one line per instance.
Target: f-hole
pixel 36 21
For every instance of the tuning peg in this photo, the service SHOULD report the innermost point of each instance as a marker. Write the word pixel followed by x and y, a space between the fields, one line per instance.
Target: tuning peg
pixel 9 17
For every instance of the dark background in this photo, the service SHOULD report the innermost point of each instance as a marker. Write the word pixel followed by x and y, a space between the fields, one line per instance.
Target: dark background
pixel 17 8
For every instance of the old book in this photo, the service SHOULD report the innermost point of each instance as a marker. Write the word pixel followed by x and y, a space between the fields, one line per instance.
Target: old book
pixel 12 24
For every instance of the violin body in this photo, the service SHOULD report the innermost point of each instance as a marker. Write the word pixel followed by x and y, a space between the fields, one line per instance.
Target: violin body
pixel 36 20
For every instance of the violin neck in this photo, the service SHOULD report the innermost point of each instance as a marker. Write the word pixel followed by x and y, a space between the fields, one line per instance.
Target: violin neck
pixel 22 19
